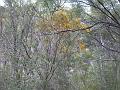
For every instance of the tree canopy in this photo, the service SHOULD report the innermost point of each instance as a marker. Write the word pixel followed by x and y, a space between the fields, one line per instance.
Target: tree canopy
pixel 60 45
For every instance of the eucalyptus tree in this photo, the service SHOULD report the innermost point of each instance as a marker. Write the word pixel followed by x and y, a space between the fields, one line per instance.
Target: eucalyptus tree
pixel 47 47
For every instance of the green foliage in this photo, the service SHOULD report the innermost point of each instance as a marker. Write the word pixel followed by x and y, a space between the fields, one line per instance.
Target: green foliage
pixel 45 46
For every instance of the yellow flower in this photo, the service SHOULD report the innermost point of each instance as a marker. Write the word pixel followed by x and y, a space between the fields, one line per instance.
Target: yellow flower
pixel 61 19
pixel 82 46
pixel 88 30
pixel 67 26
pixel 77 20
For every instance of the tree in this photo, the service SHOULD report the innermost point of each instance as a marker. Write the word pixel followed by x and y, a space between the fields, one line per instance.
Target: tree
pixel 45 46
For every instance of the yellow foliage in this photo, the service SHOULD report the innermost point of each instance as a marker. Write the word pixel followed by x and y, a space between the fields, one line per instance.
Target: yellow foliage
pixel 61 21
pixel 67 26
pixel 84 26
pixel 75 23
pixel 88 30
pixel 82 46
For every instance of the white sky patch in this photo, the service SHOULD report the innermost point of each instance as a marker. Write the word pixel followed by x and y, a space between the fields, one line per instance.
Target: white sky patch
pixel 2 3
pixel 32 1
pixel 67 6
pixel 88 10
